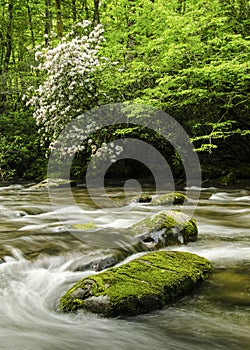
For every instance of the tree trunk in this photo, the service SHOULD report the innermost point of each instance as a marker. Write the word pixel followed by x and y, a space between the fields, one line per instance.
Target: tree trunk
pixel 8 37
pixel 73 5
pixel 31 25
pixel 6 55
pixel 86 9
pixel 130 24
pixel 2 52
pixel 96 18
pixel 59 19
pixel 48 21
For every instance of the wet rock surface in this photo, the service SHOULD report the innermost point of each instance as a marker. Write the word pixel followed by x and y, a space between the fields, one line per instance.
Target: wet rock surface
pixel 139 286
pixel 173 198
pixel 159 231
pixel 166 228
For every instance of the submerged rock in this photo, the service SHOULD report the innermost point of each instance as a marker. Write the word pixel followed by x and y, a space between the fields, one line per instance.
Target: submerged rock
pixel 231 287
pixel 174 198
pixel 144 198
pixel 161 230
pixel 86 226
pixel 142 285
pixel 166 228
pixel 54 183
pixel 169 198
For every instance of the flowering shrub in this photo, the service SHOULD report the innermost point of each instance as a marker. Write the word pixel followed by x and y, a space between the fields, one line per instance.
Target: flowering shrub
pixel 69 87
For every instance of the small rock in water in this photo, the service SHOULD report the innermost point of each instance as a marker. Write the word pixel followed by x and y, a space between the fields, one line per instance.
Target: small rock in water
pixel 174 198
pixel 166 228
pixel 144 199
pixel 142 285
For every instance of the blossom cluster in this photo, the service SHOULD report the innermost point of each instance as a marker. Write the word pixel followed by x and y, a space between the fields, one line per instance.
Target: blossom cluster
pixel 69 87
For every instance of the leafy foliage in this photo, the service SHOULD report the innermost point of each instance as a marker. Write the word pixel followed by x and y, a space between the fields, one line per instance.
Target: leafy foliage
pixel 188 58
pixel 20 153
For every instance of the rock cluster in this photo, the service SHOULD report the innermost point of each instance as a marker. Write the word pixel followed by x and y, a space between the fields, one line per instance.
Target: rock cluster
pixel 150 281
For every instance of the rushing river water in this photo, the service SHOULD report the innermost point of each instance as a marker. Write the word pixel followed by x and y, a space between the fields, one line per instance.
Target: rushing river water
pixel 42 259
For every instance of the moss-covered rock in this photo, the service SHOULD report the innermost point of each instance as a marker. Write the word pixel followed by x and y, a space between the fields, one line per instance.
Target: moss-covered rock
pixel 169 198
pixel 166 228
pixel 142 285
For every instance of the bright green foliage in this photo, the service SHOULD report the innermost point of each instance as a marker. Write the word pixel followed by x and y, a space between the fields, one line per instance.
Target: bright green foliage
pixel 192 63
pixel 189 58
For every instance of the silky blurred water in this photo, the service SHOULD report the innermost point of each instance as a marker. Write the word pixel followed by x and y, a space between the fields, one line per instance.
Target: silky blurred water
pixel 42 259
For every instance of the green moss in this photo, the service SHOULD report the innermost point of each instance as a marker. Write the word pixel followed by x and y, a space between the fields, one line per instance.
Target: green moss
pixel 190 231
pixel 142 285
pixel 86 226
pixel 170 198
pixel 155 223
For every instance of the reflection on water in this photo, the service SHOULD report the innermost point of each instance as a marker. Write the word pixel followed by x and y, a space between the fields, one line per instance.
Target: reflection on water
pixel 42 259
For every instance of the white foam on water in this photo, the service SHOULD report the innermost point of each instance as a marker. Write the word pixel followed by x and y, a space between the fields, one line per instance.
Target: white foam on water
pixel 7 212
pixel 31 289
pixel 224 196
pixel 195 188
pixel 243 199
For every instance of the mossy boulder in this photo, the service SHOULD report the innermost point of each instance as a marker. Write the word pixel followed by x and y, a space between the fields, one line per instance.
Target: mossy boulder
pixel 174 198
pixel 166 228
pixel 140 286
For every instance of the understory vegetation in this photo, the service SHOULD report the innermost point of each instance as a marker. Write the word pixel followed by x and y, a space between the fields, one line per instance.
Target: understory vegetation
pixel 188 58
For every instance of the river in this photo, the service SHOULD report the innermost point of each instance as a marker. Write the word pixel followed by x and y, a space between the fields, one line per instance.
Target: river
pixel 42 259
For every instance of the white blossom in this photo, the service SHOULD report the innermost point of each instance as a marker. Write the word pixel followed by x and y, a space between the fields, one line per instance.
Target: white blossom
pixel 68 70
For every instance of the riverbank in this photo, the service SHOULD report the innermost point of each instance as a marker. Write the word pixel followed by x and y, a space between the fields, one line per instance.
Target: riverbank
pixel 224 174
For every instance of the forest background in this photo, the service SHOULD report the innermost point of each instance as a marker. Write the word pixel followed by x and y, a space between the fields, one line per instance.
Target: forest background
pixel 188 58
